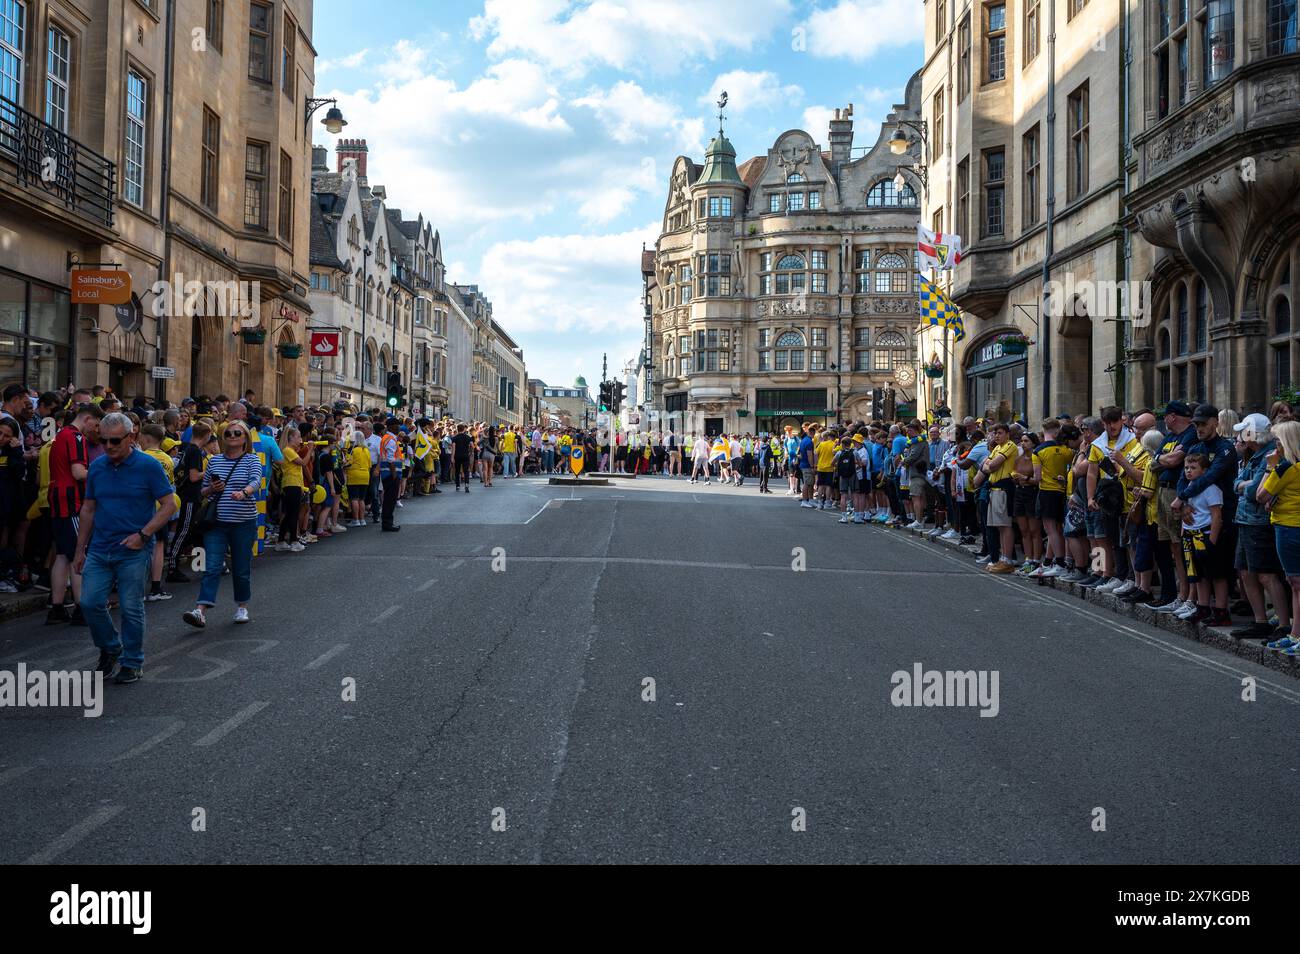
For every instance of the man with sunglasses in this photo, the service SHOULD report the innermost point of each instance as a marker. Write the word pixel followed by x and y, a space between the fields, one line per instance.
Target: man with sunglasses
pixel 128 500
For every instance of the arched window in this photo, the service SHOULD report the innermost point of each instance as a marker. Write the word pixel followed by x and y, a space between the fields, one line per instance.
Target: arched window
pixel 1180 319
pixel 789 278
pixel 368 366
pixel 1282 316
pixel 893 274
pixel 892 351
pixel 789 263
pixel 1162 348
pixel 884 195
pixel 1202 317
pixel 795 177
pixel 789 354
pixel 1182 358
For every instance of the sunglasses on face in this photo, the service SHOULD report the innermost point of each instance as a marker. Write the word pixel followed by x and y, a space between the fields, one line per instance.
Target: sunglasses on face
pixel 230 434
pixel 114 441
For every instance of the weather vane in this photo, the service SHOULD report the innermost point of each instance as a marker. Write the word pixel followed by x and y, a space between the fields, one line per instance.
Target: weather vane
pixel 722 104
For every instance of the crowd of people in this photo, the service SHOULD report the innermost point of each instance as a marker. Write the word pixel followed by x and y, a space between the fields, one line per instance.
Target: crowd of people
pixel 1192 511
pixel 104 506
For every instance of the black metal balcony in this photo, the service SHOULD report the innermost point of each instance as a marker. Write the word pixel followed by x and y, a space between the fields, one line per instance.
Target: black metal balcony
pixel 35 155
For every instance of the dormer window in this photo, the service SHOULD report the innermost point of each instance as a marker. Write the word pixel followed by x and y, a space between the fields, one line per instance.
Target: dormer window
pixel 795 177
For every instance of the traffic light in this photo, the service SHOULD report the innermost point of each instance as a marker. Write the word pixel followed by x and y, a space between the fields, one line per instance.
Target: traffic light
pixel 877 404
pixel 619 389
pixel 396 393
pixel 605 399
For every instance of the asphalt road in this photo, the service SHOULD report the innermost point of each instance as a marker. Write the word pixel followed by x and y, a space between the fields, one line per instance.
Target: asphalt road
pixel 500 646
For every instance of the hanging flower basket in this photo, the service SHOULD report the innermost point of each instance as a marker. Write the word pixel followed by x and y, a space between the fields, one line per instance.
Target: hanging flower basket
pixel 1014 344
pixel 743 412
pixel 253 336
pixel 933 370
pixel 289 351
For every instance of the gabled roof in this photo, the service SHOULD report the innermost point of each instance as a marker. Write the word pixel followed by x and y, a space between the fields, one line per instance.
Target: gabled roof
pixel 323 241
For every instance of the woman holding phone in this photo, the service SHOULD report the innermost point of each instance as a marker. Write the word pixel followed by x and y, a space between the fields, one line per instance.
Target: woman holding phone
pixel 233 478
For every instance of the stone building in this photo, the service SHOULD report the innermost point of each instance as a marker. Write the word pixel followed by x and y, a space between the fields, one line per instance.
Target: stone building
pixel 1137 222
pixel 98 164
pixel 512 379
pixel 784 289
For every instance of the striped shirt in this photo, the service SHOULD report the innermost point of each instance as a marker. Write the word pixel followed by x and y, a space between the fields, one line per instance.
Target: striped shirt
pixel 238 475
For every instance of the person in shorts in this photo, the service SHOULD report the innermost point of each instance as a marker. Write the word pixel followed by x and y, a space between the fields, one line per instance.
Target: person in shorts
pixel 998 468
pixel 1208 563
pixel 1256 560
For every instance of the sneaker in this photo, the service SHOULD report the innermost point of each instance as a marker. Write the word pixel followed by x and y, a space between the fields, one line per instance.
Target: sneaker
pixel 126 675
pixel 1092 580
pixel 1218 617
pixel 195 617
pixel 1253 631
pixel 1128 587
pixel 1027 568
pixel 78 618
pixel 107 662
pixel 985 560
pixel 1002 567
pixel 858 518
pixel 295 547
pixel 1113 583
pixel 935 533
pixel 56 614
pixel 951 535
pixel 1171 606
pixel 1037 572
pixel 400 505
pixel 309 538
pixel 1278 645
pixel 241 615
pixel 41 584
pixel 1051 572
pixel 176 575
pixel 1135 596
pixel 157 596
pixel 806 504
pixel 845 519
pixel 1293 651
pixel 282 548
pixel 7 586
pixel 338 528
pixel 1188 611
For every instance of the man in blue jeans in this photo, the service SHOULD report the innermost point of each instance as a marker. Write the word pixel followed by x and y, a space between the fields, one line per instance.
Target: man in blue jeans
pixel 128 500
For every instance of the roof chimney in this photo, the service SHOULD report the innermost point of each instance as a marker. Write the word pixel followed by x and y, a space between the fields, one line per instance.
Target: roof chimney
pixel 320 161
pixel 841 135
pixel 352 149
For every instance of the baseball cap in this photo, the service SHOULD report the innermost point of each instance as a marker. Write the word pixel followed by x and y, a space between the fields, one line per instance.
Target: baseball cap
pixel 1252 424
pixel 1181 408
pixel 1204 412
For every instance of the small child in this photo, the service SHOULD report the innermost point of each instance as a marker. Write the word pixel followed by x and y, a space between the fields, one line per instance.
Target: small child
pixel 1202 528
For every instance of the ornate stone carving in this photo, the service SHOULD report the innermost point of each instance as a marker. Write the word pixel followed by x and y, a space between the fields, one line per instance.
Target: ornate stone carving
pixel 1277 89
pixel 1191 131
pixel 894 306
pixel 862 306
pixel 820 307
pixel 780 307
pixel 794 158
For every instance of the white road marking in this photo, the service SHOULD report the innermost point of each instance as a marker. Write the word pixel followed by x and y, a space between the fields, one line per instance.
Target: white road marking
pixel 456 564
pixel 534 516
pixel 234 722
pixel 148 744
pixel 386 613
pixel 426 584
pixel 327 656
pixel 74 835
pixel 8 775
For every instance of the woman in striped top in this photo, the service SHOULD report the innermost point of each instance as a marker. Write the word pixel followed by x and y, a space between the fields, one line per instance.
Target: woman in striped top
pixel 234 478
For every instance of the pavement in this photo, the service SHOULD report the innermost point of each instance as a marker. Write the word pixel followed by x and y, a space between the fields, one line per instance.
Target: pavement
pixel 651 671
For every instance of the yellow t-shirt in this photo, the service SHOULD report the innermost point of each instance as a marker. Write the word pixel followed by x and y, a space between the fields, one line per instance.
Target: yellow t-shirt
pixel 1151 482
pixel 825 454
pixel 358 471
pixel 1095 455
pixel 42 501
pixel 291 474
pixel 1053 460
pixel 1286 510
pixel 1137 456
pixel 508 442
pixel 1008 465
pixel 166 462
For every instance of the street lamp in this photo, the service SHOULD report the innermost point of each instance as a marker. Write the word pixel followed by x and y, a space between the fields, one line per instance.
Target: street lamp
pixel 333 121
pixel 901 143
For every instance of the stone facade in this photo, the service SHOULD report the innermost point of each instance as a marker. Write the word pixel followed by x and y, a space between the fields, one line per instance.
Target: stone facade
pixel 234 118
pixel 784 289
pixel 1172 187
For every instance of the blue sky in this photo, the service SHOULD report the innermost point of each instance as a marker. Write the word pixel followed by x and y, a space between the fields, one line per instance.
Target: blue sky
pixel 537 135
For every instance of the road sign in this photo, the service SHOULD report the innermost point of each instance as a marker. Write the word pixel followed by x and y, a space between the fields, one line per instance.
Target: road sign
pixel 160 372
pixel 100 286
pixel 576 459
pixel 324 344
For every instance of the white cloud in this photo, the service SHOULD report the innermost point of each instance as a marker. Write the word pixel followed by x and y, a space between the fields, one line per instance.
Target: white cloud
pixel 748 90
pixel 816 121
pixel 632 115
pixel 557 284
pixel 349 62
pixel 575 35
pixel 405 63
pixel 858 29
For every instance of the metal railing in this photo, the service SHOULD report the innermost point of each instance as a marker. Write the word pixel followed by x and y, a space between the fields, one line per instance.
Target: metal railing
pixel 38 156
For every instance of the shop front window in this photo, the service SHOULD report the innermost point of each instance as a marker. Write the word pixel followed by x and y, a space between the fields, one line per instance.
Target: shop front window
pixel 35 333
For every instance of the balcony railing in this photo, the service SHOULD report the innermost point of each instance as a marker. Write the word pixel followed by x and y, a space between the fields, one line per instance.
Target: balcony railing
pixel 37 156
